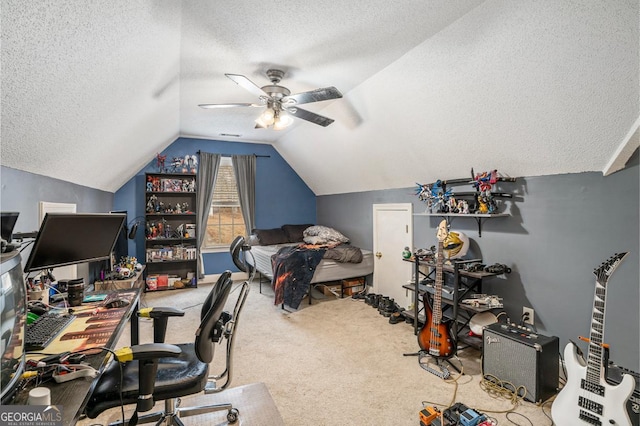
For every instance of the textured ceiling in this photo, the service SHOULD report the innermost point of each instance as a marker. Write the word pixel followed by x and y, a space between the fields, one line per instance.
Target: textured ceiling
pixel 91 91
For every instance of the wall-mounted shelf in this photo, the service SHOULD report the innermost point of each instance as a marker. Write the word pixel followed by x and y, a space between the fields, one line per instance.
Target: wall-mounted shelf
pixel 478 217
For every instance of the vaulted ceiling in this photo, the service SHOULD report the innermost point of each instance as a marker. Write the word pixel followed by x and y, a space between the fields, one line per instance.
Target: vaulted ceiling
pixel 91 91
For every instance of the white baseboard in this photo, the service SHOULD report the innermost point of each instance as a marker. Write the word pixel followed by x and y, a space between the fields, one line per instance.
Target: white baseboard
pixel 236 276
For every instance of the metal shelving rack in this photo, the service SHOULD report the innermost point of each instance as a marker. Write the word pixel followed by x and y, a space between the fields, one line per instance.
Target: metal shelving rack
pixel 462 288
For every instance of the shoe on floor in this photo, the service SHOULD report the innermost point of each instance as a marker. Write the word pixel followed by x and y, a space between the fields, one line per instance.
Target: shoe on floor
pixel 396 317
pixel 391 308
pixel 384 303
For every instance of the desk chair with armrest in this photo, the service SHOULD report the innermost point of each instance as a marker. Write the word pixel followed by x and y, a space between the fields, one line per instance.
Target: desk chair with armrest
pixel 159 371
pixel 239 250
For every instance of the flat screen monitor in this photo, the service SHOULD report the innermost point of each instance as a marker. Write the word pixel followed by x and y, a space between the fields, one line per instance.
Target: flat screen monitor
pixel 13 316
pixel 121 249
pixel 71 238
pixel 7 223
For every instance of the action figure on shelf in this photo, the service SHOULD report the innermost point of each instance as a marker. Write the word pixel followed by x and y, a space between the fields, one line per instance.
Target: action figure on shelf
pixel 462 207
pixel 176 164
pixel 160 159
pixel 483 206
pixel 151 204
pixel 483 182
pixel 191 162
pixel 436 195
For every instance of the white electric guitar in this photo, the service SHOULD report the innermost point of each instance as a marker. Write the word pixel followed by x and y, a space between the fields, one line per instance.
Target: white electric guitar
pixel 586 398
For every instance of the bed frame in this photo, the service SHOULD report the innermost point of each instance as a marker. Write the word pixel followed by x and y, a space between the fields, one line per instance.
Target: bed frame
pixel 327 270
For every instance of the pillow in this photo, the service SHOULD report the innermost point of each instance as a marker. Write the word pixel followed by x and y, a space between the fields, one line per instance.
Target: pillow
pixel 295 232
pixel 253 239
pixel 268 237
pixel 323 235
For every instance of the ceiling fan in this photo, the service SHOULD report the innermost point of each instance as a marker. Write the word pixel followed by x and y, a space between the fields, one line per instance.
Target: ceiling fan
pixel 281 104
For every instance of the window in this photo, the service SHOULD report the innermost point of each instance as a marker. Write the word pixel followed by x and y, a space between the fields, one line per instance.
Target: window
pixel 225 220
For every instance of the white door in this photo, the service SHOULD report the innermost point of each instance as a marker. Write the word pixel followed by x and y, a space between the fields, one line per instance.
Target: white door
pixel 392 232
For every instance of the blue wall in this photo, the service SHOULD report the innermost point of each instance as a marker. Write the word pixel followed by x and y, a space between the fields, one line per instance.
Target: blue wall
pixel 281 195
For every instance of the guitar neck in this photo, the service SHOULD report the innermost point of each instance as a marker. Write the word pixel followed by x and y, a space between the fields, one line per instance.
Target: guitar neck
pixel 595 357
pixel 437 296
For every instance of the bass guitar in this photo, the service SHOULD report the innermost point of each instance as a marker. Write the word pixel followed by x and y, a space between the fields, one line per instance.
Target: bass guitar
pixel 586 398
pixel 435 337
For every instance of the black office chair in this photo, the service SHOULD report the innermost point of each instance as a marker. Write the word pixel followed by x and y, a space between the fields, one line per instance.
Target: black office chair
pixel 159 371
pixel 239 251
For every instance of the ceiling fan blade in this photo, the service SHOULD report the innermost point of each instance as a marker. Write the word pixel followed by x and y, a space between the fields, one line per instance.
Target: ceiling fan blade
pixel 310 116
pixel 316 95
pixel 211 106
pixel 249 85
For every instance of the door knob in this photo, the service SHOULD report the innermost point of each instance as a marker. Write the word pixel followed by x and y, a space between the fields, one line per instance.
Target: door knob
pixel 378 254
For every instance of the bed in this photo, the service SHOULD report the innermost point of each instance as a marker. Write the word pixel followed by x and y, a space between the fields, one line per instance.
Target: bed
pixel 266 243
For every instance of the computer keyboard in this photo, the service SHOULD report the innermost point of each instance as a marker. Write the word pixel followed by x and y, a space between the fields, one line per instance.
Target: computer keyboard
pixel 44 329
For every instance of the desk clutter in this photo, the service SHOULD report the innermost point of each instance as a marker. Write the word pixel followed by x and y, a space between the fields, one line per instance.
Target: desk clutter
pixel 84 326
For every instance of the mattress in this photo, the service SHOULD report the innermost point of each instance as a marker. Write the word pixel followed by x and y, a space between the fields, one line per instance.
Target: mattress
pixel 327 269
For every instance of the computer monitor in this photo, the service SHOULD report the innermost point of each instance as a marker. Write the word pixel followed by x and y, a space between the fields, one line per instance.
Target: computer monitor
pixel 7 223
pixel 13 318
pixel 71 238
pixel 121 248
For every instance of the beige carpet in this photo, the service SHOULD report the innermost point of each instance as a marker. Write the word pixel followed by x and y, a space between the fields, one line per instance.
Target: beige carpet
pixel 336 362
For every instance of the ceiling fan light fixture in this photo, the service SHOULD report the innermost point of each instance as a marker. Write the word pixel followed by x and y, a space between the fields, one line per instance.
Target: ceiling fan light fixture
pixel 282 121
pixel 267 118
pixel 279 99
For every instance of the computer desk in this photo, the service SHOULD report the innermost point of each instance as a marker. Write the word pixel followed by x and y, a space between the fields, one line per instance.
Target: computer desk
pixel 82 332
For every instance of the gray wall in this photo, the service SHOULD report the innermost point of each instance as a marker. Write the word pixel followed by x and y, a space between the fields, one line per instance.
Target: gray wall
pixel 23 191
pixel 561 228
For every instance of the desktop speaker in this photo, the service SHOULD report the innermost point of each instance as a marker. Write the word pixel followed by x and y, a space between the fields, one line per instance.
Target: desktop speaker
pixel 514 357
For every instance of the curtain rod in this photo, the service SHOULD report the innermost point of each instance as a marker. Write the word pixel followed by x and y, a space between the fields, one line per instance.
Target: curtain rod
pixel 230 155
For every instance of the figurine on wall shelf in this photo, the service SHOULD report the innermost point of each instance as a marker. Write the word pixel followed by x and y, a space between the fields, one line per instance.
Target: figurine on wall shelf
pixel 483 206
pixel 160 159
pixel 441 199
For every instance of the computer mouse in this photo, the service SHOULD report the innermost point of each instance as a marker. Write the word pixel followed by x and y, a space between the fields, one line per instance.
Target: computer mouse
pixel 116 303
pixel 38 308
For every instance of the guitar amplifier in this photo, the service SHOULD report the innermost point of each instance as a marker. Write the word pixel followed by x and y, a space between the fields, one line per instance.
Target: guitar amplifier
pixel 614 377
pixel 515 357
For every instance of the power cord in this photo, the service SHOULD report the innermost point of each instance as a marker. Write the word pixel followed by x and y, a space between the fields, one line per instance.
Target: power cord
pixel 121 376
pixel 39 377
pixel 64 299
pixel 502 389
